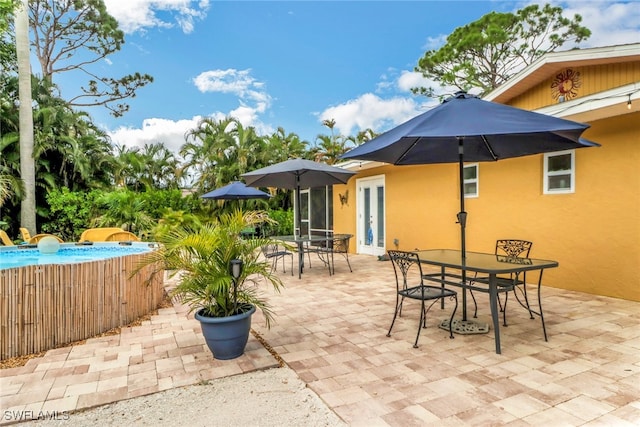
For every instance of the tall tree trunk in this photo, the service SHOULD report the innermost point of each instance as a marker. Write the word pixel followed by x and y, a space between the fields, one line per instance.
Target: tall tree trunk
pixel 27 162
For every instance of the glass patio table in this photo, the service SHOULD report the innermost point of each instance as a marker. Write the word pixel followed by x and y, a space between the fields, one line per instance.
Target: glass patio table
pixel 300 241
pixel 489 264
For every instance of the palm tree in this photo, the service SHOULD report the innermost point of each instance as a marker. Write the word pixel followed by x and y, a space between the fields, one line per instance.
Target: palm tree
pixel 281 146
pixel 218 152
pixel 5 188
pixel 74 149
pixel 27 162
pixel 127 210
pixel 160 167
pixel 329 148
pixel 204 147
pixel 203 256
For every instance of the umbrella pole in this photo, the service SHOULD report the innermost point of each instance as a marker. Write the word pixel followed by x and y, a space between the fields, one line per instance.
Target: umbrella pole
pixel 462 220
pixel 299 221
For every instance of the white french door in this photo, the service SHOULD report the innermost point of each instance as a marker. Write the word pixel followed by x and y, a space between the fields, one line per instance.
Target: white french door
pixel 370 215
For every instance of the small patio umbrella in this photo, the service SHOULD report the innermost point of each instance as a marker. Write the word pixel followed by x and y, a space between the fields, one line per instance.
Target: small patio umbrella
pixel 465 128
pixel 294 174
pixel 236 190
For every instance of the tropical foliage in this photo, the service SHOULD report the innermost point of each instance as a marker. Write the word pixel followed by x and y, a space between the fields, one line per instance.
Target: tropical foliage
pixel 202 257
pixel 82 179
pixel 485 53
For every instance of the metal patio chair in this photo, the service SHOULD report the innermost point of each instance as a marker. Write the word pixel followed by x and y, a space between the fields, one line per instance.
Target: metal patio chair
pixel 409 284
pixel 340 245
pixel 274 252
pixel 511 248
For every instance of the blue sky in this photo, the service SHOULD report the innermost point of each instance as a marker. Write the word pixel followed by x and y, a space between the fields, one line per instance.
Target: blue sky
pixel 292 64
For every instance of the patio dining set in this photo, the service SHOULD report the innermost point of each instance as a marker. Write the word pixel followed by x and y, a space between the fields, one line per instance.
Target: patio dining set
pixel 325 246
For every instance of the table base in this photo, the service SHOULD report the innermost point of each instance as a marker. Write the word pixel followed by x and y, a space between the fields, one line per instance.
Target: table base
pixel 465 327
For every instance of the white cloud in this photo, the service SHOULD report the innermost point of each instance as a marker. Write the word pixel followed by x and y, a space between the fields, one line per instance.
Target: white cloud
pixel 610 23
pixel 172 133
pixel 139 15
pixel 236 82
pixel 372 112
pixel 169 132
pixel 253 99
pixel 411 79
pixel 225 81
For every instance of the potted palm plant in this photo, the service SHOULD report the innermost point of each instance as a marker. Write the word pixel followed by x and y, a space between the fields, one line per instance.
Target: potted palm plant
pixel 220 273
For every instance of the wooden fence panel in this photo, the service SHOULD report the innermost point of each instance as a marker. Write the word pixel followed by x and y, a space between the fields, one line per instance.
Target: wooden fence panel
pixel 46 306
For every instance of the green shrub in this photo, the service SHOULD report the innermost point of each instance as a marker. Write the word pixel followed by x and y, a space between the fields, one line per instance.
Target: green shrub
pixel 70 213
pixel 283 225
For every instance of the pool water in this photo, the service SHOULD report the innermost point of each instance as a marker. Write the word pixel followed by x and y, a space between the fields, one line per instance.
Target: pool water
pixel 12 258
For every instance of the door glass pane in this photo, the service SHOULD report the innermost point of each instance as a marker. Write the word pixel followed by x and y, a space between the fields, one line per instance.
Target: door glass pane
pixel 366 217
pixel 380 225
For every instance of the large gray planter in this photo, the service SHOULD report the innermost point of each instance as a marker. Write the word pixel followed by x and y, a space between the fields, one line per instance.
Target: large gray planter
pixel 226 336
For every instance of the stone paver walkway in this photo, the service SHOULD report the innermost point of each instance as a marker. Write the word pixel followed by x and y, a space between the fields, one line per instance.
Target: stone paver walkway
pixel 332 331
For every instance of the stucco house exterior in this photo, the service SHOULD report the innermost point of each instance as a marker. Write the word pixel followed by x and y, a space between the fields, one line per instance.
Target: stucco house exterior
pixel 580 208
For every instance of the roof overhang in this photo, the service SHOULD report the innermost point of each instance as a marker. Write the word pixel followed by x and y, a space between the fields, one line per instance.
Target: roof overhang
pixel 549 64
pixel 597 106
pixel 359 165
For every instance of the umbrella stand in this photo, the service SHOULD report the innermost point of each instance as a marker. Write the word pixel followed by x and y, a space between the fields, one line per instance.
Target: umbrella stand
pixel 462 220
pixel 299 228
pixel 463 326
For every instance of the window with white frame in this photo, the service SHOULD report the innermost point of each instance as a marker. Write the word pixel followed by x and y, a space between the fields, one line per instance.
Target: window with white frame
pixel 470 184
pixel 560 172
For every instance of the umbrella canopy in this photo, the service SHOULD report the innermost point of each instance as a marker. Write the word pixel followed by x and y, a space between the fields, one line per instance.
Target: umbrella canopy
pixel 486 130
pixel 467 128
pixel 236 190
pixel 295 174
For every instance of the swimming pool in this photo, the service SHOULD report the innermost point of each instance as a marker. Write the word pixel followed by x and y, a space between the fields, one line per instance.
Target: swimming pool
pixel 49 300
pixel 69 253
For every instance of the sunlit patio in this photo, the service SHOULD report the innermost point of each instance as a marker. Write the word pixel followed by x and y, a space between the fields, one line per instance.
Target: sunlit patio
pixel 331 330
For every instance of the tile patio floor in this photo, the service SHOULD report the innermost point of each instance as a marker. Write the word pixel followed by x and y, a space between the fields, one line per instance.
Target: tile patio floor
pixel 332 332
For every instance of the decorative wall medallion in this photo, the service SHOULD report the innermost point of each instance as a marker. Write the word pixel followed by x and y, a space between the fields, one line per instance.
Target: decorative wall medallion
pixel 565 85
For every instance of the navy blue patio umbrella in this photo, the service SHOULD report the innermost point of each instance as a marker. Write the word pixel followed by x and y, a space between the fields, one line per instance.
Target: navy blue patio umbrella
pixel 465 128
pixel 236 190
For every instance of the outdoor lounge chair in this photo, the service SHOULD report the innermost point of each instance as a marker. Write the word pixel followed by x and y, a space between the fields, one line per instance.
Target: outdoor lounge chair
pixel 122 236
pixel 38 237
pixel 98 234
pixel 5 238
pixel 409 284
pixel 26 236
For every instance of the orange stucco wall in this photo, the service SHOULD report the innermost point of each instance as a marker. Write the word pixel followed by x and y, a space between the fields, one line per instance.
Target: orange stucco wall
pixel 593 233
